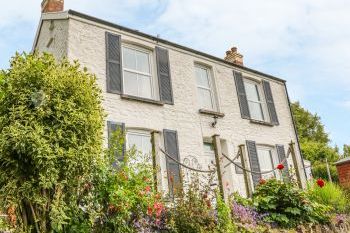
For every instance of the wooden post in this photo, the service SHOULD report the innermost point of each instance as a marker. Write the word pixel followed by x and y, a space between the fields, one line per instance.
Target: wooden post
pixel 295 162
pixel 218 154
pixel 328 171
pixel 244 162
pixel 154 158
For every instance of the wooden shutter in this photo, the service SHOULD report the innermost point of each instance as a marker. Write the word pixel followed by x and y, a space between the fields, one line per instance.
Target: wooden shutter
pixel 254 161
pixel 242 97
pixel 281 156
pixel 164 79
pixel 114 63
pixel 173 169
pixel 112 128
pixel 270 103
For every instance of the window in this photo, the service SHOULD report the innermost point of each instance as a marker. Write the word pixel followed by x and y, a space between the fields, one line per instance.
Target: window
pixel 205 88
pixel 256 103
pixel 137 72
pixel 141 141
pixel 268 160
pixel 209 149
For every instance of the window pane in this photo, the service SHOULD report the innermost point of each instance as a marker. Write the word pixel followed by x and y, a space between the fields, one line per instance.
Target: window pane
pixel 146 145
pixel 202 77
pixel 129 58
pixel 130 83
pixel 251 91
pixel 209 149
pixel 135 140
pixel 255 111
pixel 265 162
pixel 144 86
pixel 142 62
pixel 205 99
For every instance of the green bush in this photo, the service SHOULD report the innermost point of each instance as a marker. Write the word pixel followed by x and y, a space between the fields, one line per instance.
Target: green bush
pixel 193 211
pixel 51 123
pixel 225 223
pixel 330 194
pixel 287 205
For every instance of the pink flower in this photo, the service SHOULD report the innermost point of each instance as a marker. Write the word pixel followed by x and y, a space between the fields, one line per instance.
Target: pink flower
pixel 148 189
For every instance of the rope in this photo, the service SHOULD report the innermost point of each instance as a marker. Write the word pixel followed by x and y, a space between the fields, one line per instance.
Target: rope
pixel 178 162
pixel 247 170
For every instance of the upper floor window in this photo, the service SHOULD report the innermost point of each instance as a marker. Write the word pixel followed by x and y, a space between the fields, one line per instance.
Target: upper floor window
pixel 137 72
pixel 256 102
pixel 268 160
pixel 205 88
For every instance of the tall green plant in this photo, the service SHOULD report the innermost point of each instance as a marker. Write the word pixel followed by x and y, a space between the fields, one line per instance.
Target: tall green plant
pixel 51 124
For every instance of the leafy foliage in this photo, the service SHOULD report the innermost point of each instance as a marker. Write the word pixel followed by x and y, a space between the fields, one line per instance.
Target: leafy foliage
pixel 51 124
pixel 193 210
pixel 330 194
pixel 314 142
pixel 346 149
pixel 225 224
pixel 287 205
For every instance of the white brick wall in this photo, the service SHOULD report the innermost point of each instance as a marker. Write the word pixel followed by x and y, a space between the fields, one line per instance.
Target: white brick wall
pixel 86 42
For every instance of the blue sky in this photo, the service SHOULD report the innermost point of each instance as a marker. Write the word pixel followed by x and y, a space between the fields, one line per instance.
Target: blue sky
pixel 306 42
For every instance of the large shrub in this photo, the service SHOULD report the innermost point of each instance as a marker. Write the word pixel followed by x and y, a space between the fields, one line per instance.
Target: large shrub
pixel 51 124
pixel 287 205
pixel 330 194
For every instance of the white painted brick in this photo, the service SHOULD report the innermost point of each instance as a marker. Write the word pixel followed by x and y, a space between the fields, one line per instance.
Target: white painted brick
pixel 86 43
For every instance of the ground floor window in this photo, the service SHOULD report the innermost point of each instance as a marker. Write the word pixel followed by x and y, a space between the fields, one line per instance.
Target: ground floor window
pixel 140 141
pixel 268 160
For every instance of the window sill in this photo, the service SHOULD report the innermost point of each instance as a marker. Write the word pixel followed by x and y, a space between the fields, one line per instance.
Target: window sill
pixel 261 122
pixel 211 113
pixel 143 100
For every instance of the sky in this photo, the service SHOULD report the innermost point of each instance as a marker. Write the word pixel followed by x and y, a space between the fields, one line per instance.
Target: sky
pixel 306 42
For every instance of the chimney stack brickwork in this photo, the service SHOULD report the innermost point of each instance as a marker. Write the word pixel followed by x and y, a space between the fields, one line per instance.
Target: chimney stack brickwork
pixel 52 6
pixel 234 57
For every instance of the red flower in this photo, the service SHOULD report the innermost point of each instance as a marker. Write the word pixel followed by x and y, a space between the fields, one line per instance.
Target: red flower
pixel 280 166
pixel 320 182
pixel 148 189
pixel 149 210
pixel 262 181
pixel 158 208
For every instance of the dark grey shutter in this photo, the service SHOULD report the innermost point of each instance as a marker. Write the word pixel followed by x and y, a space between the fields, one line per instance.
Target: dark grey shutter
pixel 164 79
pixel 242 97
pixel 112 128
pixel 173 169
pixel 114 63
pixel 254 161
pixel 281 156
pixel 270 103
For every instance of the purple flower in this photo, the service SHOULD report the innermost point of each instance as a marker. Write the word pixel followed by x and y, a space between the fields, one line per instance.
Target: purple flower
pixel 246 215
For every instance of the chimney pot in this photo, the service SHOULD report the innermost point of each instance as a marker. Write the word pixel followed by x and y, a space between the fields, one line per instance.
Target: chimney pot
pixel 234 57
pixel 52 6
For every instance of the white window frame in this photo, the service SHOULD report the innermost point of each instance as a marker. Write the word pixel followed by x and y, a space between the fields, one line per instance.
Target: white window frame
pixel 151 74
pixel 211 88
pixel 262 102
pixel 273 154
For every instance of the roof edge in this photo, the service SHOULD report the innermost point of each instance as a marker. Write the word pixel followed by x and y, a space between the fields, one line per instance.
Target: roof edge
pixel 119 27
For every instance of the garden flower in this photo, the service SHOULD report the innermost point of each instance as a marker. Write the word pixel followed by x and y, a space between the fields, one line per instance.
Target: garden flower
pixel 149 211
pixel 148 189
pixel 262 181
pixel 320 182
pixel 280 166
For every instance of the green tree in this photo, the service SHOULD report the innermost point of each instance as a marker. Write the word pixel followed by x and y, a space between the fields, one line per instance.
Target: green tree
pixel 314 142
pixel 309 126
pixel 346 150
pixel 51 124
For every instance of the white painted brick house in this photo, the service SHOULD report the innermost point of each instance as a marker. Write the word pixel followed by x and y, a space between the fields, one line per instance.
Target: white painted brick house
pixel 153 85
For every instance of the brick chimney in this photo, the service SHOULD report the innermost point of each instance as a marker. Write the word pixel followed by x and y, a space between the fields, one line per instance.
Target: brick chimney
pixel 48 6
pixel 234 57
